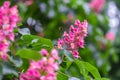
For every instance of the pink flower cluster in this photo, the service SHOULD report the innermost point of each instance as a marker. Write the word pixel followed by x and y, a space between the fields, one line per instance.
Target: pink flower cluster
pixel 8 21
pixel 44 69
pixel 97 5
pixel 74 39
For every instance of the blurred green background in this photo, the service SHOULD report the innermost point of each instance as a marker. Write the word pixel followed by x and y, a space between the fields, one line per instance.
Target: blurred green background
pixel 49 18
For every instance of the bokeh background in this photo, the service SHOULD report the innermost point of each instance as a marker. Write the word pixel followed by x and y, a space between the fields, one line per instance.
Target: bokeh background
pixel 49 19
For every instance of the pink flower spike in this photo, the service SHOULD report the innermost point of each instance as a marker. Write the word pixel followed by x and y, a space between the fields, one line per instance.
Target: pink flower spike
pixel 74 38
pixel 8 21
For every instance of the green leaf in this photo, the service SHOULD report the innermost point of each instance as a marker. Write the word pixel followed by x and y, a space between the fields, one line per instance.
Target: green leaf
pixel 81 67
pixel 73 70
pixel 85 67
pixel 28 54
pixel 101 79
pixel 25 65
pixel 62 76
pixel 36 42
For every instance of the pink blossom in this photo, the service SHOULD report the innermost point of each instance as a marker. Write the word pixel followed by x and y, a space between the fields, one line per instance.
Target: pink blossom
pixel 97 5
pixel 110 36
pixel 44 69
pixel 74 38
pixel 8 20
pixel 44 52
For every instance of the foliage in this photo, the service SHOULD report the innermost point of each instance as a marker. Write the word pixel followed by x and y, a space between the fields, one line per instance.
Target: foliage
pixel 43 23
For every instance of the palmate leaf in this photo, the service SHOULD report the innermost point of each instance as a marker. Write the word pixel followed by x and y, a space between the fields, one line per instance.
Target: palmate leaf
pixel 28 54
pixel 62 76
pixel 85 67
pixel 36 42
